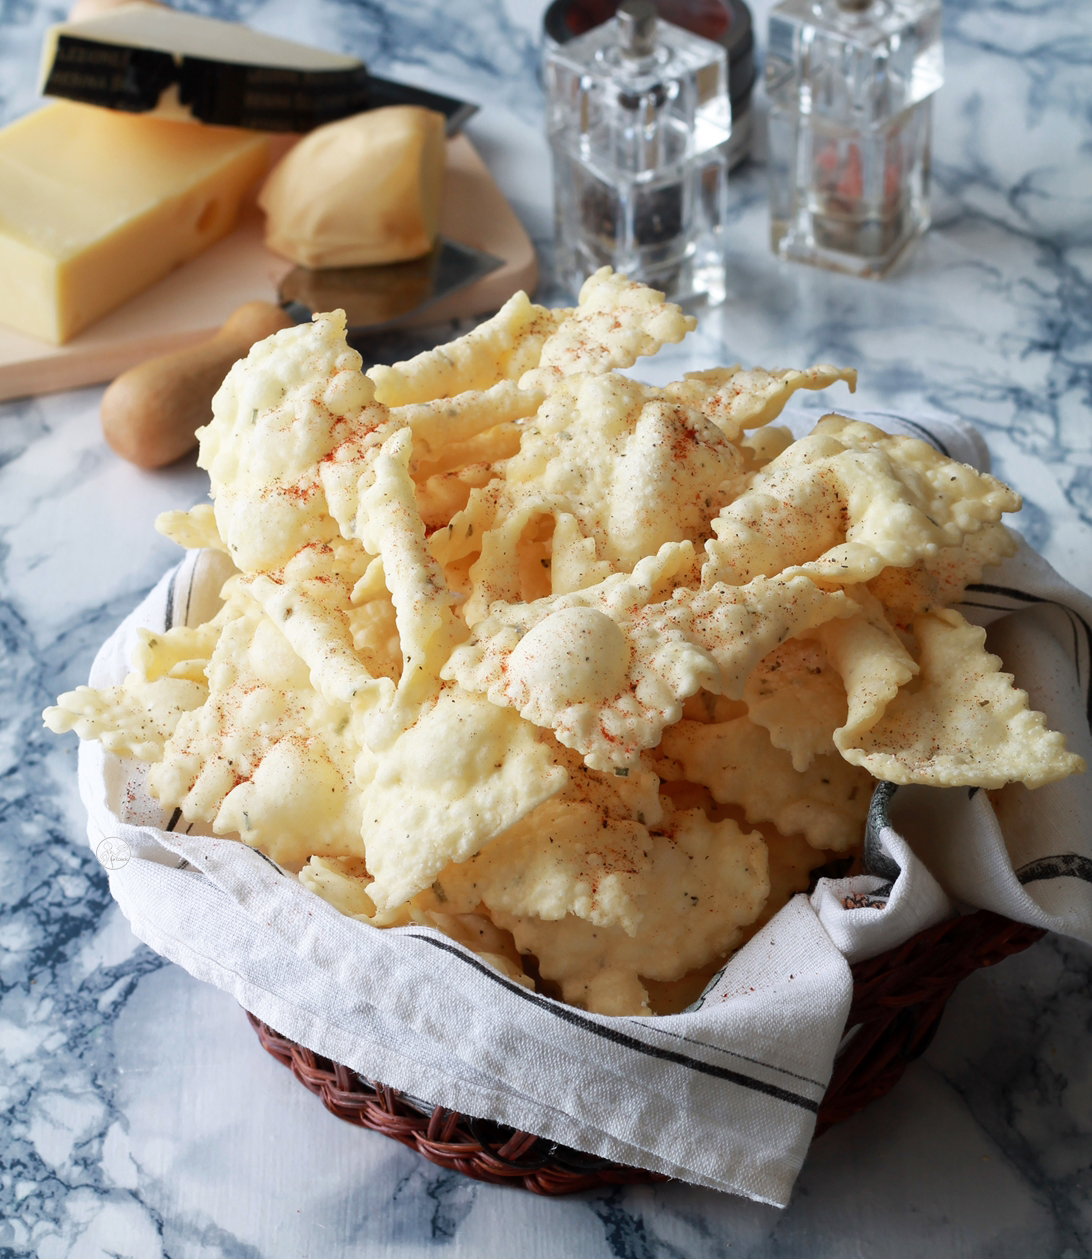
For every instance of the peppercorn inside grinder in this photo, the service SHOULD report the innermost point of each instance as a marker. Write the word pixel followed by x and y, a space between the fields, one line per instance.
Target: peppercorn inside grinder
pixel 638 121
pixel 850 85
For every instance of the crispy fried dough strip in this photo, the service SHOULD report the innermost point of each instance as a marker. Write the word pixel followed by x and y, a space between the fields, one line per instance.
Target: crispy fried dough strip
pixel 736 400
pixel 872 662
pixel 827 803
pixel 292 403
pixel 706 881
pixel 941 579
pixel 616 321
pixel 847 502
pixel 963 722
pixel 607 668
pixel 422 811
pixel 441 423
pixel 501 348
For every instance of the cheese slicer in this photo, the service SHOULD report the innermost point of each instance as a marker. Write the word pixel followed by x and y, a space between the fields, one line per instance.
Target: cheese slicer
pixel 379 298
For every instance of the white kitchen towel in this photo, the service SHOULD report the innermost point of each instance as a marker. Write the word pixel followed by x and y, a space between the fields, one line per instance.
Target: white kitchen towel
pixel 725 1094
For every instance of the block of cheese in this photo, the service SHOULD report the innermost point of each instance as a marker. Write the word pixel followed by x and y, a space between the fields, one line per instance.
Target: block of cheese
pixel 359 192
pixel 96 205
pixel 145 58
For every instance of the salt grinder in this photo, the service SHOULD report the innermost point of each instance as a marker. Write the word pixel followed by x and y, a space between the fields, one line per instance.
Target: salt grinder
pixel 850 84
pixel 639 121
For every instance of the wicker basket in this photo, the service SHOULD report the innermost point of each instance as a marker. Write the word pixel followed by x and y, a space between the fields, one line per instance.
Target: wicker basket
pixel 898 999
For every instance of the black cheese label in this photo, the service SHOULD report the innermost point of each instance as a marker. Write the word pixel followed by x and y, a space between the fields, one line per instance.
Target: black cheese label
pixel 226 94
pixel 270 98
pixel 112 75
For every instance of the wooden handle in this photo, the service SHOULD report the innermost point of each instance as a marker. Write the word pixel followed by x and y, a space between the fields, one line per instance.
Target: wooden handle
pixel 151 412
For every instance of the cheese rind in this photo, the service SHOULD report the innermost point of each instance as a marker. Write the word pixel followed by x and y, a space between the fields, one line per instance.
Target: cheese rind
pixel 96 205
pixel 359 192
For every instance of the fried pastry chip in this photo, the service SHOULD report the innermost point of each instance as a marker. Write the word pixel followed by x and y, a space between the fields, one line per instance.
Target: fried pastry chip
pixel 373 624
pixel 180 652
pixel 282 411
pixel 573 565
pixel 582 852
pixel 501 348
pixel 169 679
pixel 616 322
pixel 634 468
pixel 134 719
pixel 705 882
pixel 872 662
pixel 962 722
pixel 191 529
pixel 607 669
pixel 498 573
pixel 561 859
pixel 309 601
pixel 826 803
pixel 266 756
pixel 343 882
pixel 799 700
pixel 764 445
pixel 847 502
pixel 422 810
pixel 389 526
pixel 442 495
pixel 444 479
pixel 736 400
pixel 940 580
pixel 439 424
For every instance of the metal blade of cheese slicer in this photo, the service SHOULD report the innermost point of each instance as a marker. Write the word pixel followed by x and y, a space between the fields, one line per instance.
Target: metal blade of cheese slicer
pixel 375 299
pixel 382 92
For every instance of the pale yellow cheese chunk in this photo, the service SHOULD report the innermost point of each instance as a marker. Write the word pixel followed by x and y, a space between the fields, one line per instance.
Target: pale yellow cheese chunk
pixel 359 192
pixel 96 205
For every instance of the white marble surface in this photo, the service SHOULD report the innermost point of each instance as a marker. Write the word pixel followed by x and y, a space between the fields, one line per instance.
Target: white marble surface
pixel 140 1116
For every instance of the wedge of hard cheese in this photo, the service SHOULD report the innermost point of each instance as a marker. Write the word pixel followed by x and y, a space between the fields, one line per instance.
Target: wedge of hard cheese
pixel 97 205
pixel 359 192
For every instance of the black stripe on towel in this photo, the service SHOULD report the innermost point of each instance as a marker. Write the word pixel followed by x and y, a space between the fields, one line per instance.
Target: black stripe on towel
pixel 168 611
pixel 570 1015
pixel 732 1053
pixel 1065 865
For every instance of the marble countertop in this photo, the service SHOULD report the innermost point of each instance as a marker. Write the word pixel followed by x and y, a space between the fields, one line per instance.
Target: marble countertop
pixel 141 1117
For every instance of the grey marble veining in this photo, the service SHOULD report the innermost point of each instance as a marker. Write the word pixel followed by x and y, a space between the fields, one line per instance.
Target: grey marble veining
pixel 139 1115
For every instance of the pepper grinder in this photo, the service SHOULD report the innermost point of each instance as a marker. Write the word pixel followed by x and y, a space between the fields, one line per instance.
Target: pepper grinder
pixel 638 122
pixel 850 84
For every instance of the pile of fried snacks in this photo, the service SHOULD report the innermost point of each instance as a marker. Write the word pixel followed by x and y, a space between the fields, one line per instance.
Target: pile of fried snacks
pixel 586 674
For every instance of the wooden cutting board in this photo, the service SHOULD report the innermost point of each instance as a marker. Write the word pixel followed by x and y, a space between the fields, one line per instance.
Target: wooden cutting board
pixel 191 303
